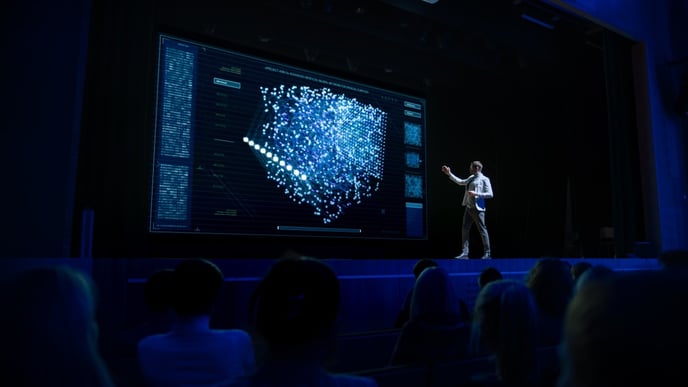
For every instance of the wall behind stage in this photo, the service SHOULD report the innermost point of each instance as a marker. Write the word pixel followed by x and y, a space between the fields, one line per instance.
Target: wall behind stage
pixel 44 66
pixel 537 123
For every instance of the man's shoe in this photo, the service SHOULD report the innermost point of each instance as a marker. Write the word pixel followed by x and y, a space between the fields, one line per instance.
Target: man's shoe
pixel 462 256
pixel 486 256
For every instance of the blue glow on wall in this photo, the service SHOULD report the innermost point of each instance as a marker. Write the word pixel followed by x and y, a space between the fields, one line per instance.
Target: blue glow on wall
pixel 323 149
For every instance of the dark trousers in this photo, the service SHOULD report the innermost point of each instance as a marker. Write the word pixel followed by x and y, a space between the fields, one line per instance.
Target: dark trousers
pixel 470 216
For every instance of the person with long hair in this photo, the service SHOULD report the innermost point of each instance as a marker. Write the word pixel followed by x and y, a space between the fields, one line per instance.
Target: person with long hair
pixel 505 326
pixel 49 330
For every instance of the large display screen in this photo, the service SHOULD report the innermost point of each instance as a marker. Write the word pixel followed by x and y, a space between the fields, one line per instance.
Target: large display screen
pixel 249 146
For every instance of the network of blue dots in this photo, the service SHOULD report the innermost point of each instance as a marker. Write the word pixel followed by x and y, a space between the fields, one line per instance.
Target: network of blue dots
pixel 324 149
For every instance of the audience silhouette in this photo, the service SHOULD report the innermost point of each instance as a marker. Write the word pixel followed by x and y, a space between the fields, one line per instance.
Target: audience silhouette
pixel 488 275
pixel 294 309
pixel 435 331
pixel 673 259
pixel 159 315
pixel 192 353
pixel 157 318
pixel 615 328
pixel 594 273
pixel 405 310
pixel 579 268
pixel 551 283
pixel 48 331
pixel 157 292
pixel 505 325
pixel 627 330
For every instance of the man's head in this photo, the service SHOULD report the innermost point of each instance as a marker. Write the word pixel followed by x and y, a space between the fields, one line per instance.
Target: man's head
pixel 296 304
pixel 197 283
pixel 488 275
pixel 476 166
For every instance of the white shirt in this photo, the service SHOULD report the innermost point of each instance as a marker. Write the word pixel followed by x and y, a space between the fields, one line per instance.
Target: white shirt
pixel 478 183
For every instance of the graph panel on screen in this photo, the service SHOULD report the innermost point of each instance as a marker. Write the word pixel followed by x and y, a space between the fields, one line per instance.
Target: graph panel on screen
pixel 249 146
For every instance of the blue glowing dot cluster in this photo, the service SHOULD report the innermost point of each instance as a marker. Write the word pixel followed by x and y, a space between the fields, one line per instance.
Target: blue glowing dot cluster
pixel 324 149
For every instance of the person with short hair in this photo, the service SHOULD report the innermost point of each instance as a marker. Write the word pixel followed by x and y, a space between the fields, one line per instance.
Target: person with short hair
pixel 294 310
pixel 192 353
pixel 478 188
pixel 488 275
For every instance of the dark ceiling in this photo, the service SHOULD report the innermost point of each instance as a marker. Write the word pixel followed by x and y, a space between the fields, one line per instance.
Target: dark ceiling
pixel 394 39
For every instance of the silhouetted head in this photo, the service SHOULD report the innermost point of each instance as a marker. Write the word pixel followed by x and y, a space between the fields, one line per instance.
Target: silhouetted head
pixel 674 258
pixel 49 330
pixel 488 275
pixel 296 304
pixel 197 283
pixel 421 265
pixel 594 273
pixel 579 268
pixel 505 322
pixel 158 290
pixel 551 283
pixel 434 298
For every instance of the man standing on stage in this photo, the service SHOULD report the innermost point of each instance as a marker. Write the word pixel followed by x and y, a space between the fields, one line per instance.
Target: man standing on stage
pixel 478 188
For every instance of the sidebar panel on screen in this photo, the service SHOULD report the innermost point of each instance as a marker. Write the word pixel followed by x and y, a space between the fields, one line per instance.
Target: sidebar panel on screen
pixel 171 206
